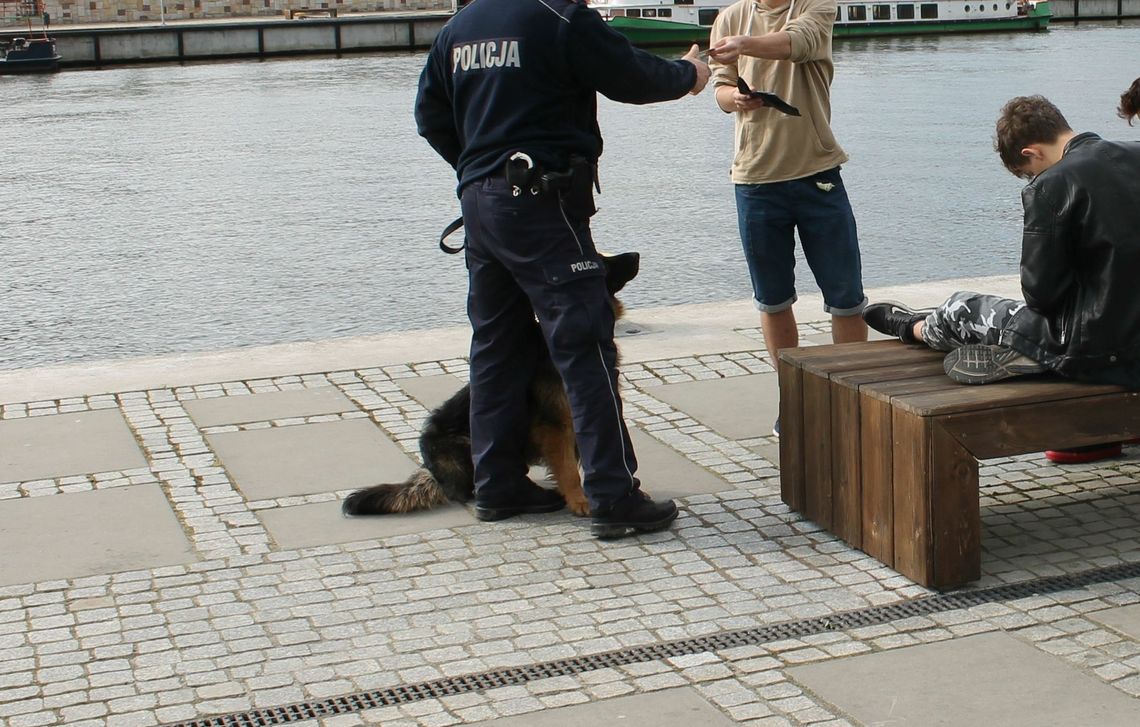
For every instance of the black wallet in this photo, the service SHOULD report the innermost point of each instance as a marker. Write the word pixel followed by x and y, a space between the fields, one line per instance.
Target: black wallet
pixel 769 99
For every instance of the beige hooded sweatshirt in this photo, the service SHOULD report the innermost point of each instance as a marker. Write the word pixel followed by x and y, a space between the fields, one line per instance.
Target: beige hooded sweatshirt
pixel 770 146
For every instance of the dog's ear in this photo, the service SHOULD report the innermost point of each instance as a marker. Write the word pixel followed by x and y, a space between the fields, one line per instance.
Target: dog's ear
pixel 620 269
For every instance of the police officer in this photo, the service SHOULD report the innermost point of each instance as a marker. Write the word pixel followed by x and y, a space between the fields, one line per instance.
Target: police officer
pixel 509 98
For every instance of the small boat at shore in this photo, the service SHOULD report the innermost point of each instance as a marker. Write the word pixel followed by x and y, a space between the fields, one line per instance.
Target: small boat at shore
pixel 28 55
pixel 31 53
pixel 679 22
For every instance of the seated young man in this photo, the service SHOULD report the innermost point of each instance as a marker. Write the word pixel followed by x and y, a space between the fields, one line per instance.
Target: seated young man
pixel 1080 259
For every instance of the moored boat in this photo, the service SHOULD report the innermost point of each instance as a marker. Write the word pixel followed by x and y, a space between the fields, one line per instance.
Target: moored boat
pixel 28 55
pixel 31 53
pixel 678 22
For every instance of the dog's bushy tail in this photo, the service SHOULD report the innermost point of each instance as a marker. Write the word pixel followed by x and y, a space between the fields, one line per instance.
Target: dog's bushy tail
pixel 418 492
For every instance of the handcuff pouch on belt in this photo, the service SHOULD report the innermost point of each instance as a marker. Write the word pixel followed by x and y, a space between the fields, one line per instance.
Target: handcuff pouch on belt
pixel 575 186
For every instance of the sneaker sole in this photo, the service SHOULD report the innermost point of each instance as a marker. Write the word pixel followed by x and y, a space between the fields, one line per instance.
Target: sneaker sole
pixel 999 365
pixel 492 514
pixel 612 531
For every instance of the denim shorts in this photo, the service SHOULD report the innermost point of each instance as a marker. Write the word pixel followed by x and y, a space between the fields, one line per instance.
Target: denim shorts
pixel 816 206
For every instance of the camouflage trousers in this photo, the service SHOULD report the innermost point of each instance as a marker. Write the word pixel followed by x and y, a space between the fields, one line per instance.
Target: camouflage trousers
pixel 967 318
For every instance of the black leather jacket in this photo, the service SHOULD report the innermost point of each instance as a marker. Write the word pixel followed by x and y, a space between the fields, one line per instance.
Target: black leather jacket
pixel 1080 264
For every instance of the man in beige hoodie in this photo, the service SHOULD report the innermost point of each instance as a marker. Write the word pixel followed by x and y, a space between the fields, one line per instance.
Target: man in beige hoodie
pixel 786 168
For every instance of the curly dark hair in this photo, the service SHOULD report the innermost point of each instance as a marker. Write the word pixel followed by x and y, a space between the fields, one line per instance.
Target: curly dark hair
pixel 1130 102
pixel 1023 121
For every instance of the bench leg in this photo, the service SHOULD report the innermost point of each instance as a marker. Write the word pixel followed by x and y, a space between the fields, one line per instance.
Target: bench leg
pixel 937 515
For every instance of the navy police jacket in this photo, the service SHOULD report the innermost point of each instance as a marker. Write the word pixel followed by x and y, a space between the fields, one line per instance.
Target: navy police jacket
pixel 522 75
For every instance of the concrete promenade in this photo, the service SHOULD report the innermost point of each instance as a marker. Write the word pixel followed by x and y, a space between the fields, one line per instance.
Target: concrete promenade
pixel 171 552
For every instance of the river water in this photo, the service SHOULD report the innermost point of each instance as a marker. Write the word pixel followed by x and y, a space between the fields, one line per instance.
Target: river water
pixel 150 210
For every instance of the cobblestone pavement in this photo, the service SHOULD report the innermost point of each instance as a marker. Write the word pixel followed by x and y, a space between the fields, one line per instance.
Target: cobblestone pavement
pixel 213 612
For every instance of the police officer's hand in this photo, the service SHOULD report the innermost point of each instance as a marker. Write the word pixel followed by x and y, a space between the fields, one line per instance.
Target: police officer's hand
pixel 701 66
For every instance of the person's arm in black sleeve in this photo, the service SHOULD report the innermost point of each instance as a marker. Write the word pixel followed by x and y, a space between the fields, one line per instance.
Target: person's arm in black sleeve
pixel 1046 272
pixel 435 117
pixel 605 61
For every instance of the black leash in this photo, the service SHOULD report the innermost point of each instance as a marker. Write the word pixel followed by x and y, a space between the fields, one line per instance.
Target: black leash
pixel 455 225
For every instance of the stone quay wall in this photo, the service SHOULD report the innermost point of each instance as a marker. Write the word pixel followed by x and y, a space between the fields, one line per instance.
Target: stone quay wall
pixel 112 11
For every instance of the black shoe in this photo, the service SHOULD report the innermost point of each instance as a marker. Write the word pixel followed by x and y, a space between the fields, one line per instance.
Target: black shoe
pixel 980 363
pixel 776 428
pixel 528 499
pixel 895 319
pixel 635 512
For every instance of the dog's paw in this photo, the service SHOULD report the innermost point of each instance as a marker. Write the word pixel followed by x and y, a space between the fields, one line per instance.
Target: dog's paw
pixel 581 508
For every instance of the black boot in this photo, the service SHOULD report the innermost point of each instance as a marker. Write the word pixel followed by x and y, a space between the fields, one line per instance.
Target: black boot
pixel 635 512
pixel 895 319
pixel 525 499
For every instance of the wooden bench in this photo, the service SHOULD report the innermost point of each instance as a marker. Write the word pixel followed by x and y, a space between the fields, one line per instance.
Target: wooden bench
pixel 880 447
pixel 301 13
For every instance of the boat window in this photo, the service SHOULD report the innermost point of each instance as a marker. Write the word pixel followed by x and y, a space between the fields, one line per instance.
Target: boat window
pixel 682 2
pixel 707 16
pixel 617 12
pixel 928 10
pixel 838 14
pixel 633 12
pixel 995 6
pixel 967 8
pixel 856 12
pixel 904 11
pixel 665 12
pixel 649 13
pixel 880 12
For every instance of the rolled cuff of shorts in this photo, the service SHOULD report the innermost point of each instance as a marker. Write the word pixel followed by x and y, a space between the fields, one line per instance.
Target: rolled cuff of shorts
pixel 845 312
pixel 779 307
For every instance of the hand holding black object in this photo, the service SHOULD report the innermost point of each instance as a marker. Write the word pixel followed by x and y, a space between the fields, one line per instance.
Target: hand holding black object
pixel 769 99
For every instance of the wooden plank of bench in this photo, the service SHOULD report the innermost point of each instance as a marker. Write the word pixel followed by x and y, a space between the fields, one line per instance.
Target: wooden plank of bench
pixel 1076 422
pixel 839 360
pixel 960 397
pixel 817 448
pixel 791 435
pixel 910 465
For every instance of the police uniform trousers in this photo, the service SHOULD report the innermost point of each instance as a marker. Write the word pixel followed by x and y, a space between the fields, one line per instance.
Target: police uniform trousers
pixel 527 259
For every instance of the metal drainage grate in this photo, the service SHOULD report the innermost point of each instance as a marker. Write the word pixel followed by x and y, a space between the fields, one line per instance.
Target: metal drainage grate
pixel 651 652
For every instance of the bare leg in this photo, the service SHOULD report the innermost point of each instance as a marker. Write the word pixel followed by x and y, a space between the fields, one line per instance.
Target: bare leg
pixel 780 331
pixel 917 330
pixel 848 329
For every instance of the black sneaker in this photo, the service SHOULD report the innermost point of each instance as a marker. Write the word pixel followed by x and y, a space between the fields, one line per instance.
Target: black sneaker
pixel 635 512
pixel 983 364
pixel 528 499
pixel 895 319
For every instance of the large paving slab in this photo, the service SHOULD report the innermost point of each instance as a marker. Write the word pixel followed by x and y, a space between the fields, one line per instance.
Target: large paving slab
pixel 89 533
pixel 665 473
pixel 303 526
pixel 679 707
pixel 310 458
pixel 989 679
pixel 431 391
pixel 738 407
pixel 268 406
pixel 1125 619
pixel 59 445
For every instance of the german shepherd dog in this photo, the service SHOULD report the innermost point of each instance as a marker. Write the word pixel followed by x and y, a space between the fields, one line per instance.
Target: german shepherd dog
pixel 445 442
